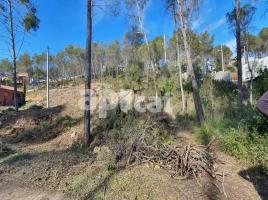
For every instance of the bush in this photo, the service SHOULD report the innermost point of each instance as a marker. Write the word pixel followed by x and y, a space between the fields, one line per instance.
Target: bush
pixel 167 85
pixel 250 147
pixel 120 132
pixel 185 120
pixel 261 84
pixel 237 138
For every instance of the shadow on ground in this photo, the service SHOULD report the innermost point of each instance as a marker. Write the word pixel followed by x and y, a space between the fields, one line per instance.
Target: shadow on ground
pixel 258 178
pixel 101 186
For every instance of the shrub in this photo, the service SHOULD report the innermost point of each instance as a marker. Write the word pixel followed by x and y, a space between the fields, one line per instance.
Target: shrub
pixel 121 131
pixel 261 84
pixel 237 138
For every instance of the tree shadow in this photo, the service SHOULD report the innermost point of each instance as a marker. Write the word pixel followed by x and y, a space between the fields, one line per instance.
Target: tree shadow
pixel 258 178
pixel 38 167
pixel 100 186
pixel 14 158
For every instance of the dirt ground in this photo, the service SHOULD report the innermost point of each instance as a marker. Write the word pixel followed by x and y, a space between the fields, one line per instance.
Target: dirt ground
pixel 35 166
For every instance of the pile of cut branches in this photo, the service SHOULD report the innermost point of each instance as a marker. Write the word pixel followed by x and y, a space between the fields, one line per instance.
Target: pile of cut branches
pixel 181 161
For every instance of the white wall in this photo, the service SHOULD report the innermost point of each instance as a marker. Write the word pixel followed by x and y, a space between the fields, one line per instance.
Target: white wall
pixel 260 63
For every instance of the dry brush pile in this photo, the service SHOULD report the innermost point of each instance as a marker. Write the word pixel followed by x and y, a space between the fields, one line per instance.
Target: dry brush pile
pixel 137 139
pixel 180 161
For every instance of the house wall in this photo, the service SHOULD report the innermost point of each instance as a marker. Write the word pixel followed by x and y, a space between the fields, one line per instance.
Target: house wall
pixel 7 98
pixel 260 64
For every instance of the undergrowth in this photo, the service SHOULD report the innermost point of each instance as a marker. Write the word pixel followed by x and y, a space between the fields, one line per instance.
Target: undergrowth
pixel 121 130
pixel 46 130
pixel 245 139
pixel 242 133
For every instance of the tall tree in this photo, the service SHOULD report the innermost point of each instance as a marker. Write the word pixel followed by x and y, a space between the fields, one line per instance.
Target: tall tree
pixel 264 37
pixel 240 19
pixel 24 63
pixel 239 55
pixel 17 16
pixel 234 18
pixel 112 5
pixel 217 54
pixel 171 6
pixel 247 13
pixel 87 117
pixel 135 12
pixel 5 66
pixel 186 9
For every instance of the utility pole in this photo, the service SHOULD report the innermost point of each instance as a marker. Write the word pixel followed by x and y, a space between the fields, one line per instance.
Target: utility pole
pixel 47 77
pixel 165 48
pixel 222 59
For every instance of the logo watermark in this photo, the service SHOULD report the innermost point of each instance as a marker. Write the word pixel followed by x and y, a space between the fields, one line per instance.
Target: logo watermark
pixel 105 100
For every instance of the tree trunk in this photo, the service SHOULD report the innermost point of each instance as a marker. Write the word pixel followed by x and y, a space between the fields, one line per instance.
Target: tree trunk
pixel 14 59
pixel 87 117
pixel 180 74
pixel 148 49
pixel 250 68
pixel 197 99
pixel 178 62
pixel 239 56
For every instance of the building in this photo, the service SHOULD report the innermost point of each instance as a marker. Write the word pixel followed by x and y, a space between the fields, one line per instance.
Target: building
pixel 256 64
pixel 22 78
pixel 7 96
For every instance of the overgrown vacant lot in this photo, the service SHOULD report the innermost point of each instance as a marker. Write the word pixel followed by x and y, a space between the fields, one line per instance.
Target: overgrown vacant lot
pixel 180 103
pixel 43 158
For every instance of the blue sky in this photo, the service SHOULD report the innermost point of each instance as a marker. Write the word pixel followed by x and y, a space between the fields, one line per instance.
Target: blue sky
pixel 64 22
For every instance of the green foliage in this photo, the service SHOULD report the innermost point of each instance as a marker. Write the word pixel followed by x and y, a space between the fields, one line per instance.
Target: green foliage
pixel 31 21
pixel 31 106
pixel 261 84
pixel 240 138
pixel 241 133
pixel 120 131
pixel 246 15
pixel 252 148
pixel 225 92
pixel 134 74
pixel 210 128
pixel 253 121
pixel 227 55
pixel 166 85
pixel 201 44
pixel 25 13
pixel 263 35
pixel 24 63
pixel 5 66
pixel 186 120
pixel 156 47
